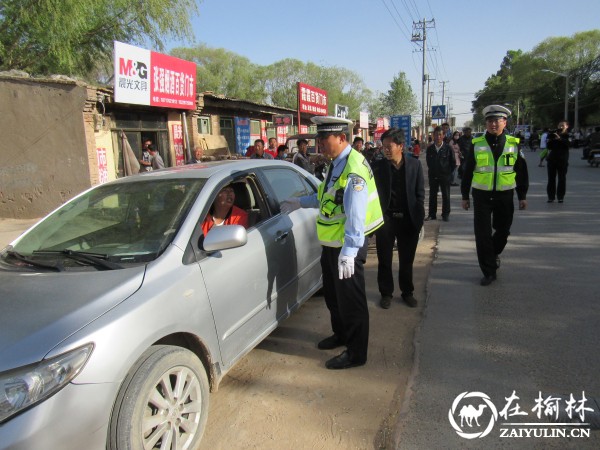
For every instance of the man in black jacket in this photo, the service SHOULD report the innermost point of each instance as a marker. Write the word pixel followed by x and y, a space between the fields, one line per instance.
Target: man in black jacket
pixel 400 184
pixel 440 164
pixel 558 162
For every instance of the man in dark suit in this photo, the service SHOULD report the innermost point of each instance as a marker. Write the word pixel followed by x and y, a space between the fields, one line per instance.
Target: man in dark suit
pixel 401 187
pixel 440 164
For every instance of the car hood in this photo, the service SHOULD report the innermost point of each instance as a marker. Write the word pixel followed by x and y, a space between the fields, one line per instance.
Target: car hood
pixel 39 310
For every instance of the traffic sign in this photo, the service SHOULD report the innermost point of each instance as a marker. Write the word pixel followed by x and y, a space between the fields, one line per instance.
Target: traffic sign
pixel 404 123
pixel 438 112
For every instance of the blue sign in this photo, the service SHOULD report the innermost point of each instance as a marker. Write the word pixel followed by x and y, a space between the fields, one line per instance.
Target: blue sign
pixel 404 123
pixel 242 135
pixel 438 112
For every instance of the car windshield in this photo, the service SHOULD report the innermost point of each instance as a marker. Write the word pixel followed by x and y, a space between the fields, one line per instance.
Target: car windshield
pixel 121 223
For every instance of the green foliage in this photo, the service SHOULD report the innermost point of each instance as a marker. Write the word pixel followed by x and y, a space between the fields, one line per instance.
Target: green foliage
pixel 537 96
pixel 343 86
pixel 224 72
pixel 72 37
pixel 399 99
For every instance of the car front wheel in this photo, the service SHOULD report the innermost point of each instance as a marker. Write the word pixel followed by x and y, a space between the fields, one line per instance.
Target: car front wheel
pixel 162 404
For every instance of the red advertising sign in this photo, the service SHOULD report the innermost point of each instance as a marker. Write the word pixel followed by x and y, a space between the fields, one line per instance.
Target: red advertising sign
pixel 281 135
pixel 102 165
pixel 312 100
pixel 178 144
pixel 173 82
pixel 143 77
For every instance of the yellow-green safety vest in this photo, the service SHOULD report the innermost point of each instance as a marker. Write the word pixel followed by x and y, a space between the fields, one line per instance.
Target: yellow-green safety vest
pixel 487 170
pixel 332 217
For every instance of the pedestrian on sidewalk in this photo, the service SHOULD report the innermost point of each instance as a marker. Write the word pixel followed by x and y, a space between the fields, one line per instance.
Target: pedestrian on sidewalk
pixel 558 162
pixel 440 164
pixel 454 143
pixel 349 211
pixel 494 168
pixel 401 187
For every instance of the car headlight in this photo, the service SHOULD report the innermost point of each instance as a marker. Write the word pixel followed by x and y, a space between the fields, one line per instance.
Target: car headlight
pixel 26 386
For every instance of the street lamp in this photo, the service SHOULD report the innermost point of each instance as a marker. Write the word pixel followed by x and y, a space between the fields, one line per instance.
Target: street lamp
pixel 566 75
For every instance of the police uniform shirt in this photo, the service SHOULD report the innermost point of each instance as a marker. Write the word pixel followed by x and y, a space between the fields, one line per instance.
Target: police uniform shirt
pixel 356 197
pixel 496 144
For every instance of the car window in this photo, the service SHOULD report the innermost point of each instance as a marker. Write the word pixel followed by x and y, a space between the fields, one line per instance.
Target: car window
pixel 287 183
pixel 127 222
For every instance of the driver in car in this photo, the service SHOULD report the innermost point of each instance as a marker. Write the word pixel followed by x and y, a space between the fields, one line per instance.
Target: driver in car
pixel 224 212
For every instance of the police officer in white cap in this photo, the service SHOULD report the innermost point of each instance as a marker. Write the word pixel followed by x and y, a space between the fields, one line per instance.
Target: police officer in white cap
pixel 494 168
pixel 349 210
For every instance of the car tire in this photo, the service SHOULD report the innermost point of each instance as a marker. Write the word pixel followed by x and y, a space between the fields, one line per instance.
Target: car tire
pixel 147 413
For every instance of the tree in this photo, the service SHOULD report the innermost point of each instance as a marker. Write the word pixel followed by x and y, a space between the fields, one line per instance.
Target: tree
pixel 399 99
pixel 539 96
pixel 71 36
pixel 225 72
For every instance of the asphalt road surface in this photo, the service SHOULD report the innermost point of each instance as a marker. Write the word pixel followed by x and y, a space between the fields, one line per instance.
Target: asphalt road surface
pixel 535 332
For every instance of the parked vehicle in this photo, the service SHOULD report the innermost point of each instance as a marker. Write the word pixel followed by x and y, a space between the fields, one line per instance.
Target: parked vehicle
pixel 118 316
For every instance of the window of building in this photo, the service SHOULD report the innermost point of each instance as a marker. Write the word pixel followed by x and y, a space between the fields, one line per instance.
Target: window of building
pixel 204 125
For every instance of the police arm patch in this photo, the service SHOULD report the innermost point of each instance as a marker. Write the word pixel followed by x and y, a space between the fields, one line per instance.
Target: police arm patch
pixel 358 183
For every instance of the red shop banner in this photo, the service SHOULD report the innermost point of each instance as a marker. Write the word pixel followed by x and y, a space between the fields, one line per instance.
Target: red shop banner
pixel 312 100
pixel 173 82
pixel 178 144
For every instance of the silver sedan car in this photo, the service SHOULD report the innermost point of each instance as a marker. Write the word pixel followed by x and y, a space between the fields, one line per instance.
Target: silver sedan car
pixel 118 315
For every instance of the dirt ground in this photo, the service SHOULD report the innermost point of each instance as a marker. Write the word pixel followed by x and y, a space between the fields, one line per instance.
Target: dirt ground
pixel 281 396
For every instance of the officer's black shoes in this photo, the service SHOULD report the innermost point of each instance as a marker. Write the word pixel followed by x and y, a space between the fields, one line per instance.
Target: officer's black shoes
pixel 498 262
pixel 329 343
pixel 550 201
pixel 560 200
pixel 410 300
pixel 445 218
pixel 386 301
pixel 429 218
pixel 343 361
pixel 487 280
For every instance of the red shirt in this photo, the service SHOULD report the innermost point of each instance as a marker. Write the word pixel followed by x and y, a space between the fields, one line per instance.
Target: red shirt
pixel 236 216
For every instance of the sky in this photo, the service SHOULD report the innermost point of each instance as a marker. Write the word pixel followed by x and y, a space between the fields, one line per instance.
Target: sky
pixel 373 37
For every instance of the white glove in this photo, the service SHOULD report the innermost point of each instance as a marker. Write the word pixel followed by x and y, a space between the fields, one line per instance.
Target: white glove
pixel 345 266
pixel 290 205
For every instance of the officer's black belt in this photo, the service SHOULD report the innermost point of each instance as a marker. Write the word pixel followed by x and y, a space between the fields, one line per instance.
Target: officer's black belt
pixel 396 215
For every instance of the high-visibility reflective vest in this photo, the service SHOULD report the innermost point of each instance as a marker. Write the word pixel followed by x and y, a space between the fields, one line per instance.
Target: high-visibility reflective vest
pixel 490 175
pixel 332 217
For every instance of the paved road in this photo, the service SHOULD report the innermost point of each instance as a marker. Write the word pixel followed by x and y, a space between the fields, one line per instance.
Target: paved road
pixel 536 329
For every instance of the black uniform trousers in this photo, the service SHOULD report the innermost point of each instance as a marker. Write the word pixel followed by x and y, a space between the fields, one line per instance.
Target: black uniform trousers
pixel 406 236
pixel 553 190
pixel 346 300
pixel 443 185
pixel 491 210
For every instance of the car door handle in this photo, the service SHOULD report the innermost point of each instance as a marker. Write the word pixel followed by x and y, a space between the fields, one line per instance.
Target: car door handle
pixel 282 236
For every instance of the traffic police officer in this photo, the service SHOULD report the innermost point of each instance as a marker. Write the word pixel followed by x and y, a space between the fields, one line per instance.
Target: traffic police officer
pixel 494 168
pixel 349 210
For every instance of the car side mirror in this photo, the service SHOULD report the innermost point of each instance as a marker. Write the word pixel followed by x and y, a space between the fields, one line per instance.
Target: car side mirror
pixel 224 237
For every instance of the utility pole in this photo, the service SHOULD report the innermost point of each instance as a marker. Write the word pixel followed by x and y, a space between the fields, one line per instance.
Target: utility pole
pixel 443 83
pixel 419 34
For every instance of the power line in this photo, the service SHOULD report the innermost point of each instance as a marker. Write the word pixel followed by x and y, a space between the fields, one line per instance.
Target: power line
pixel 394 19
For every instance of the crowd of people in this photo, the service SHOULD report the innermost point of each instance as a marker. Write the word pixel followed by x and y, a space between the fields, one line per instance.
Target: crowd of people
pixel 377 189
